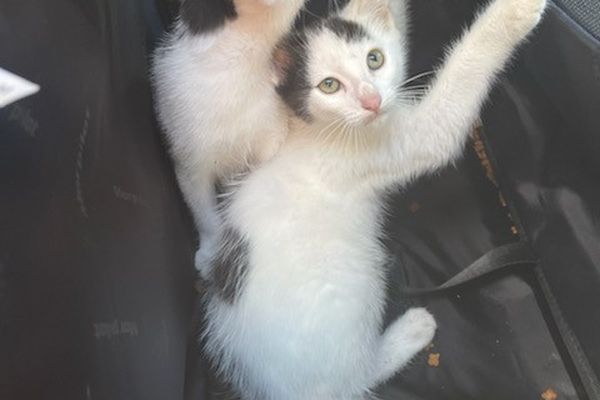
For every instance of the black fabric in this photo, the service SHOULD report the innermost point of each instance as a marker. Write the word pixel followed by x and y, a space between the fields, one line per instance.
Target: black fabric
pixel 205 16
pixel 544 131
pixel 96 246
pixel 496 260
pixel 492 336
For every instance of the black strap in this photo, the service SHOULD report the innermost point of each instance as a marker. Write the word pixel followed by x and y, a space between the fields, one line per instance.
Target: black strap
pixel 502 257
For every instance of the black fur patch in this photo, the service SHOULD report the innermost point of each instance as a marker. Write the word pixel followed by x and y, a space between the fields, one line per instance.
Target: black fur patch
pixel 203 16
pixel 294 87
pixel 230 265
pixel 346 30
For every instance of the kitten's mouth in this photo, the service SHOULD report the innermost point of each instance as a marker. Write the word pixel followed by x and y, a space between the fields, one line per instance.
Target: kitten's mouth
pixel 372 117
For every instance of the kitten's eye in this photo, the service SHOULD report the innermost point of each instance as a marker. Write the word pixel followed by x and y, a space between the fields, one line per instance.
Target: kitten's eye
pixel 330 85
pixel 375 59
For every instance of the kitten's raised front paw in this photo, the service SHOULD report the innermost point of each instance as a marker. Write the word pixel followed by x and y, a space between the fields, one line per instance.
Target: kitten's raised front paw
pixel 524 15
pixel 419 326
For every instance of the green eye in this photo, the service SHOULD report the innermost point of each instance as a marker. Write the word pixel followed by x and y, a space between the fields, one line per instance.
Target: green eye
pixel 375 59
pixel 330 85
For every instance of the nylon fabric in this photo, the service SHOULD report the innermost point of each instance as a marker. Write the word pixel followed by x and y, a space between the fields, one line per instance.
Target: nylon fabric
pixel 585 12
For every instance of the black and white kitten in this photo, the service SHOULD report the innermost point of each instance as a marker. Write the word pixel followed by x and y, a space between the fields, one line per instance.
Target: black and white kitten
pixel 296 305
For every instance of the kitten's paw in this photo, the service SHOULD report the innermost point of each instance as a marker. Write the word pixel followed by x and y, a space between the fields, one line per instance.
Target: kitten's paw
pixel 419 326
pixel 402 340
pixel 524 15
pixel 201 262
pixel 204 256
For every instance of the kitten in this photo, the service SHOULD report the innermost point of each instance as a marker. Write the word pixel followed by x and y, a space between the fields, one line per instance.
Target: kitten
pixel 294 310
pixel 215 98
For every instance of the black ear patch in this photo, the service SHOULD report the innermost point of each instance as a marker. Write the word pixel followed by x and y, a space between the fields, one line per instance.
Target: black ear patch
pixel 203 16
pixel 291 63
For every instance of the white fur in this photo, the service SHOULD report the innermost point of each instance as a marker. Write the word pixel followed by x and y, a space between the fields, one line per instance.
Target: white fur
pixel 216 103
pixel 307 324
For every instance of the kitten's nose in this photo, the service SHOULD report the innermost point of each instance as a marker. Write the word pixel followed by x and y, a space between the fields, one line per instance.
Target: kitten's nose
pixel 371 102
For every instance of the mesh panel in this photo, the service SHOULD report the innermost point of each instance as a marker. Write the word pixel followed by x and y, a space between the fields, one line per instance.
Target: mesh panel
pixel 584 12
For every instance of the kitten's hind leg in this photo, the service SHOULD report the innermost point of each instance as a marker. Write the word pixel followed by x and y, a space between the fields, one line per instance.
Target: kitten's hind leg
pixel 402 340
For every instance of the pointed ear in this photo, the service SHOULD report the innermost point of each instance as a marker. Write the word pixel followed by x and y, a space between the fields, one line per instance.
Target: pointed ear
pixel 400 12
pixel 281 63
pixel 370 11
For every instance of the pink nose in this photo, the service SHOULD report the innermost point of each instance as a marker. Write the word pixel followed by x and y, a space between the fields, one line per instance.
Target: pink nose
pixel 371 102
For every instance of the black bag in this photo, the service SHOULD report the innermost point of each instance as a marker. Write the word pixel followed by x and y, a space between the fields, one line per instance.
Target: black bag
pixel 96 245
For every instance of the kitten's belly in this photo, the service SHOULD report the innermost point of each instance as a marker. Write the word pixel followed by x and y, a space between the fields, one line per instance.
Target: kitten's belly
pixel 316 334
pixel 312 306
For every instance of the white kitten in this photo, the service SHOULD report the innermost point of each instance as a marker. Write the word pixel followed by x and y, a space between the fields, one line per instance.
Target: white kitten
pixel 296 298
pixel 215 98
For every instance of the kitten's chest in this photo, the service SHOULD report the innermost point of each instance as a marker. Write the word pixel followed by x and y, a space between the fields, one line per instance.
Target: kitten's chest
pixel 292 202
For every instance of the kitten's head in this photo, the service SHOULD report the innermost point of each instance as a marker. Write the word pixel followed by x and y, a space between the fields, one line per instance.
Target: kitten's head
pixel 345 68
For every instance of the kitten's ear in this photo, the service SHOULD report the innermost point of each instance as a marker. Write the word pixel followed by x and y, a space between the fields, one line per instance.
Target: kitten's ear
pixel 281 62
pixel 400 12
pixel 370 11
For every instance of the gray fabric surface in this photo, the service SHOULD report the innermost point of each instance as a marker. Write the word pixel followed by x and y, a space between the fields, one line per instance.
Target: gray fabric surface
pixel 585 12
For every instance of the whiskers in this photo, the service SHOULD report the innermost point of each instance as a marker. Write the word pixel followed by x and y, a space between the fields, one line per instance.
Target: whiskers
pixel 344 132
pixel 417 77
pixel 332 129
pixel 411 94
